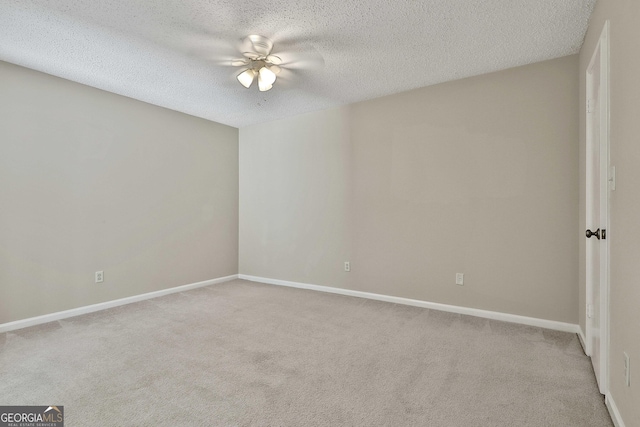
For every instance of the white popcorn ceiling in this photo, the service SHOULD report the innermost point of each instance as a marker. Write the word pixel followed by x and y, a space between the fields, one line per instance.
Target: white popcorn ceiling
pixel 176 53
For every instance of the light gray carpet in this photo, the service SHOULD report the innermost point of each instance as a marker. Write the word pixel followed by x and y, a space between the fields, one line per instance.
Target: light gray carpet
pixel 247 354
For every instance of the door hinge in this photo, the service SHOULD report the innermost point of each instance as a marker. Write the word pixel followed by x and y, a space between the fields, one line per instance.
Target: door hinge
pixel 590 106
pixel 589 311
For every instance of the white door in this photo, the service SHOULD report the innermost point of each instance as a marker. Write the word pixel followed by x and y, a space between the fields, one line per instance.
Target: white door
pixel 597 197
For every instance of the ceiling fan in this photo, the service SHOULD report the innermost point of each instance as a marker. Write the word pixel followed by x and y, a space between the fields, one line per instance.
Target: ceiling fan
pixel 258 62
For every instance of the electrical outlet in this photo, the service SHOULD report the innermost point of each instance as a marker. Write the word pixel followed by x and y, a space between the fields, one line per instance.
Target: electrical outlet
pixel 460 279
pixel 99 276
pixel 627 371
pixel 347 266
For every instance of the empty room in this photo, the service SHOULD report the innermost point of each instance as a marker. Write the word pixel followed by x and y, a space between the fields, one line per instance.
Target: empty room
pixel 300 213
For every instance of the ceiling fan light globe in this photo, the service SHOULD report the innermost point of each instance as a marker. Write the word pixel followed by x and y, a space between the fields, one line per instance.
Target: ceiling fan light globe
pixel 246 77
pixel 263 85
pixel 267 76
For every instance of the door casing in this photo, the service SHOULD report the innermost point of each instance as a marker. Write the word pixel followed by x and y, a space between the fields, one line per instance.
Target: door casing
pixel 599 59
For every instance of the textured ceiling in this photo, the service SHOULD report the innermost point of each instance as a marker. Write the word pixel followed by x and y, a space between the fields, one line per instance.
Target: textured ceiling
pixel 176 53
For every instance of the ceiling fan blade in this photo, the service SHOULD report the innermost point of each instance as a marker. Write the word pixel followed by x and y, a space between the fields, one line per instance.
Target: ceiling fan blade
pixel 240 62
pixel 251 55
pixel 261 44
pixel 275 60
pixel 297 53
pixel 302 59
pixel 218 53
pixel 210 46
pixel 276 69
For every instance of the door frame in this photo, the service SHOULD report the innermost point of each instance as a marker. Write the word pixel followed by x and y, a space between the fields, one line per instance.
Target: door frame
pixel 602 48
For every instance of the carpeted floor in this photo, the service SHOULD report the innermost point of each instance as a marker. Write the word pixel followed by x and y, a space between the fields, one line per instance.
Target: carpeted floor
pixel 248 354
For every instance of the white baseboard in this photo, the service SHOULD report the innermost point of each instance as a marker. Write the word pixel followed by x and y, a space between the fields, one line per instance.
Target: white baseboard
pixel 32 321
pixel 613 411
pixel 494 315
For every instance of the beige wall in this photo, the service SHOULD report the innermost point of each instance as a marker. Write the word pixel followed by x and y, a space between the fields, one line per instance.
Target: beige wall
pixel 624 16
pixel 478 176
pixel 95 181
pixel 295 192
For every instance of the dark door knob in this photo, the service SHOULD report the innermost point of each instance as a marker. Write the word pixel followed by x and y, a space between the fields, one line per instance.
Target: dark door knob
pixel 593 233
